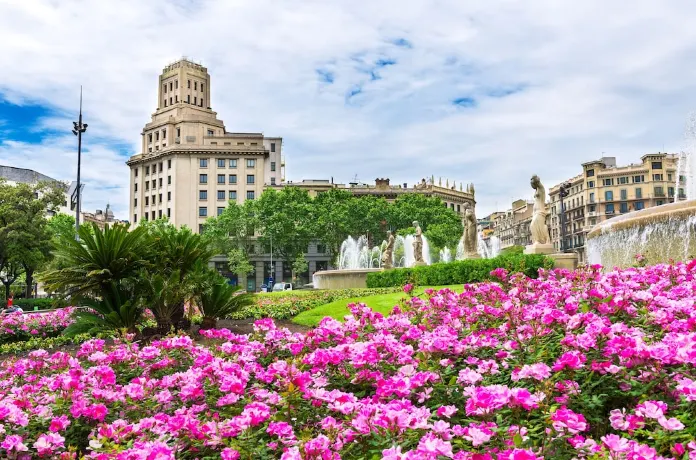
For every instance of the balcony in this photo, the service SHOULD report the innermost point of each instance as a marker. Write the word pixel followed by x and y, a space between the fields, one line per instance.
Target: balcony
pixel 592 214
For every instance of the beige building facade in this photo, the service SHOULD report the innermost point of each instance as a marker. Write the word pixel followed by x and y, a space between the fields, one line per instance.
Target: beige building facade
pixel 190 167
pixel 512 226
pixel 604 190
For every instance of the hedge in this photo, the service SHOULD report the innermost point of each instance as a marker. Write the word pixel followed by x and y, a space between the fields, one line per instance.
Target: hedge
pixel 29 304
pixel 459 272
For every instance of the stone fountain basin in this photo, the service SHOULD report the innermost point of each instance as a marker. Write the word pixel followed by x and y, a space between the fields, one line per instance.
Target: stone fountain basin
pixel 660 234
pixel 343 279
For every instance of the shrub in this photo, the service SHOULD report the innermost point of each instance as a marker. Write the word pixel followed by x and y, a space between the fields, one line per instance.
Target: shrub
pixel 459 272
pixel 33 304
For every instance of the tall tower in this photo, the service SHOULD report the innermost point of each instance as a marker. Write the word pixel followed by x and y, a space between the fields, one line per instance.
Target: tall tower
pixel 190 167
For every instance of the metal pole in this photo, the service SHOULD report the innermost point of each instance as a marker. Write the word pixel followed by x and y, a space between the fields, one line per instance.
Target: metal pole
pixel 562 222
pixel 79 129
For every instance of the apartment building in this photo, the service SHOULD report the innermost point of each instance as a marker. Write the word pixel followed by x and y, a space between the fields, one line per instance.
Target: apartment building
pixel 512 226
pixel 189 167
pixel 604 190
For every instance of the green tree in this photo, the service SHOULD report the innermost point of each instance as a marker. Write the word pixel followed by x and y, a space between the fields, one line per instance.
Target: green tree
pixel 221 300
pixel 441 225
pixel 299 265
pixel 334 220
pixel 24 235
pixel 285 218
pixel 232 233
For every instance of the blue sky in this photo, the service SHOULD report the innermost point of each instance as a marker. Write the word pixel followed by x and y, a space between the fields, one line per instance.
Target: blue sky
pixel 488 92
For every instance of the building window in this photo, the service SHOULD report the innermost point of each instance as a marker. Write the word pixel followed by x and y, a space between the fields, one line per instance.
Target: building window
pixel 656 165
pixel 160 198
pixel 233 195
pixel 202 194
pixel 221 179
pixel 203 178
pixel 165 87
pixel 153 199
pixel 251 163
pixel 147 170
pixel 623 207
pixel 659 202
pixel 135 203
pixel 639 205
pixel 189 83
pixel 682 193
pixel 608 195
pixel 146 219
pixel 201 228
pixel 136 172
pixel 272 146
pixel 176 84
pixel 220 210
pixel 202 211
pixel 250 195
pixel 592 197
pixel 659 191
pixel 169 212
pixel 211 132
pixel 195 85
pixel 590 184
pixel 221 162
pixel 135 218
pixel 169 196
pixel 670 192
pixel 610 208
pixel 160 181
pixel 200 103
pixel 147 185
pixel 273 182
pixel 250 178
pixel 272 165
pixel 156 135
pixel 623 180
pixel 638 179
pixel 147 201
pixel 233 163
pixel 204 162
pixel 639 192
pixel 171 100
pixel 201 87
pixel 154 183
pixel 188 98
pixel 233 178
pixel 159 214
pixel 624 194
pixel 609 181
pixel 195 100
pixel 657 177
pixel 169 180
pixel 136 187
pixel 593 208
pixel 221 194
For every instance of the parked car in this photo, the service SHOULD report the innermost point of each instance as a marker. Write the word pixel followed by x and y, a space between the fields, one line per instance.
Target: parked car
pixel 279 287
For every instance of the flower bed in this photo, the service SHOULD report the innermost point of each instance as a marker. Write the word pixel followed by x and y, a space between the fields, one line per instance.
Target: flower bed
pixel 16 327
pixel 284 306
pixel 570 365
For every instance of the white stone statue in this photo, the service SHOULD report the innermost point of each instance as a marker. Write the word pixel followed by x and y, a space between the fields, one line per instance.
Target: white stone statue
pixel 470 236
pixel 418 245
pixel 540 232
pixel 387 255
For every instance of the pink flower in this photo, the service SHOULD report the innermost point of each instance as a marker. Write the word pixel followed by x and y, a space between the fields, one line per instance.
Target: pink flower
pixel 446 411
pixel 565 419
pixel 571 360
pixel 672 424
pixel 229 454
pixel 615 443
pixel 59 423
pixel 13 442
pixel 408 288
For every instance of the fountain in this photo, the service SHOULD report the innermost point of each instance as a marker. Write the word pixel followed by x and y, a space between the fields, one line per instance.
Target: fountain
pixel 445 255
pixel 487 249
pixel 660 233
pixel 356 259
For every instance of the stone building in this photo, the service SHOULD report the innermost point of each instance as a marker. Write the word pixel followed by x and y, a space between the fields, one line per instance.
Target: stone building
pixel 604 190
pixel 512 226
pixel 190 166
pixel 12 176
pixel 100 218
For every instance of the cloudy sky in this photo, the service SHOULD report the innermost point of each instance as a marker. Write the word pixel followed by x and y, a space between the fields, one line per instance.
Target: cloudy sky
pixel 487 91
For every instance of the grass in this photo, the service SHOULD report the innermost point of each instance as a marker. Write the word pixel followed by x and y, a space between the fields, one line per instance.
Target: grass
pixel 383 303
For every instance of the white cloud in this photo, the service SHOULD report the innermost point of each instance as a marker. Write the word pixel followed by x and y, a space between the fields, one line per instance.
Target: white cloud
pixel 598 77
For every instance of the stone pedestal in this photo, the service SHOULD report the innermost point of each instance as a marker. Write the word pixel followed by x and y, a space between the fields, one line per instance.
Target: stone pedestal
pixel 419 264
pixel 539 249
pixel 567 260
pixel 475 255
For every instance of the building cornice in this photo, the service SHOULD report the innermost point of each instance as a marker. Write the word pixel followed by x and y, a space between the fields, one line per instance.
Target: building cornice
pixel 197 150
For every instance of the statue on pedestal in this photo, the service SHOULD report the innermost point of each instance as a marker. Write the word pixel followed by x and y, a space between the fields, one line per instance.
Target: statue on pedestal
pixel 387 255
pixel 538 228
pixel 470 236
pixel 418 245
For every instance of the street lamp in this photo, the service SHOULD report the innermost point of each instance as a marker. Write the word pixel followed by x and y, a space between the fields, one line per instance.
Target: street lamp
pixel 563 191
pixel 78 129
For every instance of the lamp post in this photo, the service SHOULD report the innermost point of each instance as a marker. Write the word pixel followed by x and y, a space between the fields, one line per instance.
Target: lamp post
pixel 563 192
pixel 78 129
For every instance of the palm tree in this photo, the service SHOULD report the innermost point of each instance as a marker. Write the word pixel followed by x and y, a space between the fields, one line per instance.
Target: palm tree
pixel 221 300
pixel 115 310
pixel 90 265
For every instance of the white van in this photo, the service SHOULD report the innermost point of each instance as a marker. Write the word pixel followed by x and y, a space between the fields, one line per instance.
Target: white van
pixel 278 287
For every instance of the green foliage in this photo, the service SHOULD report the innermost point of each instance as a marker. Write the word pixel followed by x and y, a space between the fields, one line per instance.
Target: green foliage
pixel 441 225
pixel 43 343
pixel 300 265
pixel 31 304
pixel 100 258
pixel 238 262
pixel 288 304
pixel 459 272
pixel 512 250
pixel 116 310
pixel 221 300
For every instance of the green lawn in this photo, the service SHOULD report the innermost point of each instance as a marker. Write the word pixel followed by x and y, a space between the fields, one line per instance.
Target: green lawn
pixel 383 303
